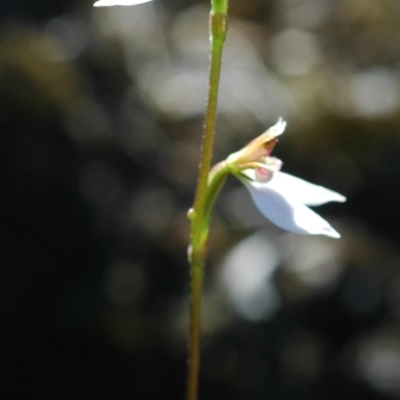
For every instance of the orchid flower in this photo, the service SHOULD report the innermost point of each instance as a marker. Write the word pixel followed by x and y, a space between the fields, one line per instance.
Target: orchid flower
pixel 280 197
pixel 109 3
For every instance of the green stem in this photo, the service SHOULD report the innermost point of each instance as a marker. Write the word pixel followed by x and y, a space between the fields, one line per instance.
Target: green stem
pixel 217 179
pixel 195 327
pixel 220 6
pixel 206 194
pixel 218 34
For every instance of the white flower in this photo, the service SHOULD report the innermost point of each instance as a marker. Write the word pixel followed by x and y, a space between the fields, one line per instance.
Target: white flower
pixel 283 199
pixel 280 197
pixel 109 3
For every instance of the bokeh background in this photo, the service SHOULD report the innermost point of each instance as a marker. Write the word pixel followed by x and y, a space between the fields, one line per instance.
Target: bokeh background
pixel 101 115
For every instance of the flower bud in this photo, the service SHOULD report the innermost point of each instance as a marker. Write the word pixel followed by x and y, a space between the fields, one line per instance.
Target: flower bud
pixel 259 147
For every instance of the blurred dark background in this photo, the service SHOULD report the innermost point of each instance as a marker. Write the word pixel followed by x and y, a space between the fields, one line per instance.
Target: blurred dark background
pixel 101 115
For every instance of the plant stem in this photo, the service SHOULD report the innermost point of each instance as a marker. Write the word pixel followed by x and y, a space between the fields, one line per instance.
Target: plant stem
pixel 218 34
pixel 195 328
pixel 216 181
pixel 203 203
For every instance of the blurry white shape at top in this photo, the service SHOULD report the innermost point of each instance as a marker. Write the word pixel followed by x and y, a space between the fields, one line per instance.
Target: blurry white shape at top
pixel 109 3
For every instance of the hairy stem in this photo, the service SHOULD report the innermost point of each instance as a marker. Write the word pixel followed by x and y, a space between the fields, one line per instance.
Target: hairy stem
pixel 218 34
pixel 204 200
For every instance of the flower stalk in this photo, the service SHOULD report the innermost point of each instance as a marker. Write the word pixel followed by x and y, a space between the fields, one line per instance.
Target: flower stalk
pixel 200 213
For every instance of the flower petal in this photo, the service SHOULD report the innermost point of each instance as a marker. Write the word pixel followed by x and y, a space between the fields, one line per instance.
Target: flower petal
pixel 303 191
pixel 278 128
pixel 287 213
pixel 109 3
pixel 259 147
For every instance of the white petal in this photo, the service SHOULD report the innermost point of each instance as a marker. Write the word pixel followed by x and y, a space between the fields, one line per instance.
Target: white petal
pixel 303 191
pixel 109 3
pixel 287 213
pixel 278 128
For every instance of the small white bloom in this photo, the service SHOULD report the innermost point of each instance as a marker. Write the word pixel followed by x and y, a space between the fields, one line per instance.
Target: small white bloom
pixel 109 3
pixel 283 199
